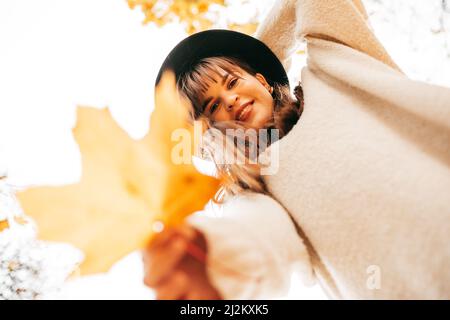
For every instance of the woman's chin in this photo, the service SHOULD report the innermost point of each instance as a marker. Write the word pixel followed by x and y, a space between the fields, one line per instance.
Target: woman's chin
pixel 258 122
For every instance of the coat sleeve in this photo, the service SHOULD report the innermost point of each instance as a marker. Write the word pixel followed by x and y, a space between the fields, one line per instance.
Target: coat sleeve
pixel 341 21
pixel 253 248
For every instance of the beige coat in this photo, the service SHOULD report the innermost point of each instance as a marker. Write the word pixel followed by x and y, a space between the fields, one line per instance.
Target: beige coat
pixel 365 173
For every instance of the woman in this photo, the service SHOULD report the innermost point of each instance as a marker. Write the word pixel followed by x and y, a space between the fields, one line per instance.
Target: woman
pixel 363 174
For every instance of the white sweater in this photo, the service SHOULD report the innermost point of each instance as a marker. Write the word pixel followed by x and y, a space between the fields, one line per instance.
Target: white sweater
pixel 365 173
pixel 253 248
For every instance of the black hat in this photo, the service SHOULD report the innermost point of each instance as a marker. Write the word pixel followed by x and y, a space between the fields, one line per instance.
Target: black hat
pixel 213 43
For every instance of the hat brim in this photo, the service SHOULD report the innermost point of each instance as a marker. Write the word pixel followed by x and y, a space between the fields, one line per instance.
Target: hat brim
pixel 217 42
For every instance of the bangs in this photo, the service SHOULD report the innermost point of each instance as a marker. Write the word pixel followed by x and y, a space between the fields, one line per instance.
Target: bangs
pixel 195 83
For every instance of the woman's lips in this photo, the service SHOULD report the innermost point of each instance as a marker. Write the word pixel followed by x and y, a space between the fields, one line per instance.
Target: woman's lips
pixel 244 114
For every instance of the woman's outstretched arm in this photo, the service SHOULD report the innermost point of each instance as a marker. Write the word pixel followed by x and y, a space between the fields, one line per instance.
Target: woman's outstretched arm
pixel 252 247
pixel 340 21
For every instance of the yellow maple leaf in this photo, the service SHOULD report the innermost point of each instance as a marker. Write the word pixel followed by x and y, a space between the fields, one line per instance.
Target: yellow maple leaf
pixel 126 184
pixel 4 224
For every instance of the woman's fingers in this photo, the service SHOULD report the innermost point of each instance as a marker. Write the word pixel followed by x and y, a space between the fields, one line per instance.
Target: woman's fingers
pixel 186 231
pixel 160 239
pixel 176 287
pixel 163 262
pixel 160 243
pixel 172 271
pixel 188 281
pixel 168 235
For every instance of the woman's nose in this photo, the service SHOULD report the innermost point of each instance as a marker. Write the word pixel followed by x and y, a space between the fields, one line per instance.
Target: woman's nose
pixel 231 102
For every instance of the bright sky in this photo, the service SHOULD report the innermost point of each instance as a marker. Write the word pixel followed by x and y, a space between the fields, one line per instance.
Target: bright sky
pixel 57 54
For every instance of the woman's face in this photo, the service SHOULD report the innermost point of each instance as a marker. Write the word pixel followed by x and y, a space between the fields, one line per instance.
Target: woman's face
pixel 239 96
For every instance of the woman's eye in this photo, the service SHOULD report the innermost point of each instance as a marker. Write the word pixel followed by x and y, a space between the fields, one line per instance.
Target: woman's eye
pixel 232 83
pixel 213 108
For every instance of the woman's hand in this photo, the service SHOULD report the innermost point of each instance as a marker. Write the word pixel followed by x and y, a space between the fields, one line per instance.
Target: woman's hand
pixel 171 269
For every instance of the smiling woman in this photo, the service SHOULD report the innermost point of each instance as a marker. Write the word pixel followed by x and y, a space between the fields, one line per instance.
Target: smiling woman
pixel 230 91
pixel 230 94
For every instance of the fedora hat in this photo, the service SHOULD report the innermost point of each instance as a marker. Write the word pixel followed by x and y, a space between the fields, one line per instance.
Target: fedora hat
pixel 218 42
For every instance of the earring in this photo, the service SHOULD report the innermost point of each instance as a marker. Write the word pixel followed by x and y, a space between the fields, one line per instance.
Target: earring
pixel 270 89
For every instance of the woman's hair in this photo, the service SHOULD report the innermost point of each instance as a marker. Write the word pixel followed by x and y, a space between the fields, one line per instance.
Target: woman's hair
pixel 237 177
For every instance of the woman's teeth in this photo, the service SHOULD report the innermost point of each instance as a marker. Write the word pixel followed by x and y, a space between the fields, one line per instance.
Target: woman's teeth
pixel 244 112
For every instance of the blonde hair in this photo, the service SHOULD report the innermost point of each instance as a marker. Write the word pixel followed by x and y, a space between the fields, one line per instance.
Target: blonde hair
pixel 287 111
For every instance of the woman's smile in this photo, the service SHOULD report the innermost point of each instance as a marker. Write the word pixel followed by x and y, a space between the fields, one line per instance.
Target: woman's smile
pixel 244 112
pixel 238 96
